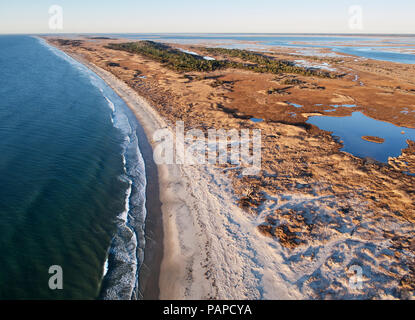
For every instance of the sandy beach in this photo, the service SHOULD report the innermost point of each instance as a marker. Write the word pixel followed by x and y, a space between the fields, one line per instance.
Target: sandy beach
pixel 295 231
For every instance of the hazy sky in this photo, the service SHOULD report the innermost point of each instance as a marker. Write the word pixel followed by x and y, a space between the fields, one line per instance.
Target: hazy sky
pixel 136 16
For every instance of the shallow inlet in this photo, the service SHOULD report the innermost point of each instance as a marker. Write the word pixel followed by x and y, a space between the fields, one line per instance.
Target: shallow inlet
pixel 352 128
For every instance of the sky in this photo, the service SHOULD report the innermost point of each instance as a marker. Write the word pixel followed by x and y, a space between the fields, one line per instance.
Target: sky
pixel 210 16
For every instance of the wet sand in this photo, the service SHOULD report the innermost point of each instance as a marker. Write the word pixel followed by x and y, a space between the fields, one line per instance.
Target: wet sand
pixel 153 253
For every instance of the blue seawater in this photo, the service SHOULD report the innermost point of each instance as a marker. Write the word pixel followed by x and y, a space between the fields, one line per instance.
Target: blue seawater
pixel 72 179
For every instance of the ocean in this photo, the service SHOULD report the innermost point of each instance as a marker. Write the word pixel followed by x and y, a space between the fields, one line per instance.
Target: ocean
pixel 72 179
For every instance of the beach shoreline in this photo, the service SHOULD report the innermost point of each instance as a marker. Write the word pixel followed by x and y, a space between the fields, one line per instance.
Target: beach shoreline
pixel 199 219
pixel 165 265
pixel 153 250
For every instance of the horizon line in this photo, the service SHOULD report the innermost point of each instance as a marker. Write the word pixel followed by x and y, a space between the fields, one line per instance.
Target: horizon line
pixel 215 33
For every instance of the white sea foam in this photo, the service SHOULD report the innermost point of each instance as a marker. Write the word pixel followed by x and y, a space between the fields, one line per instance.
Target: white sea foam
pixel 134 215
pixel 128 245
pixel 105 269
